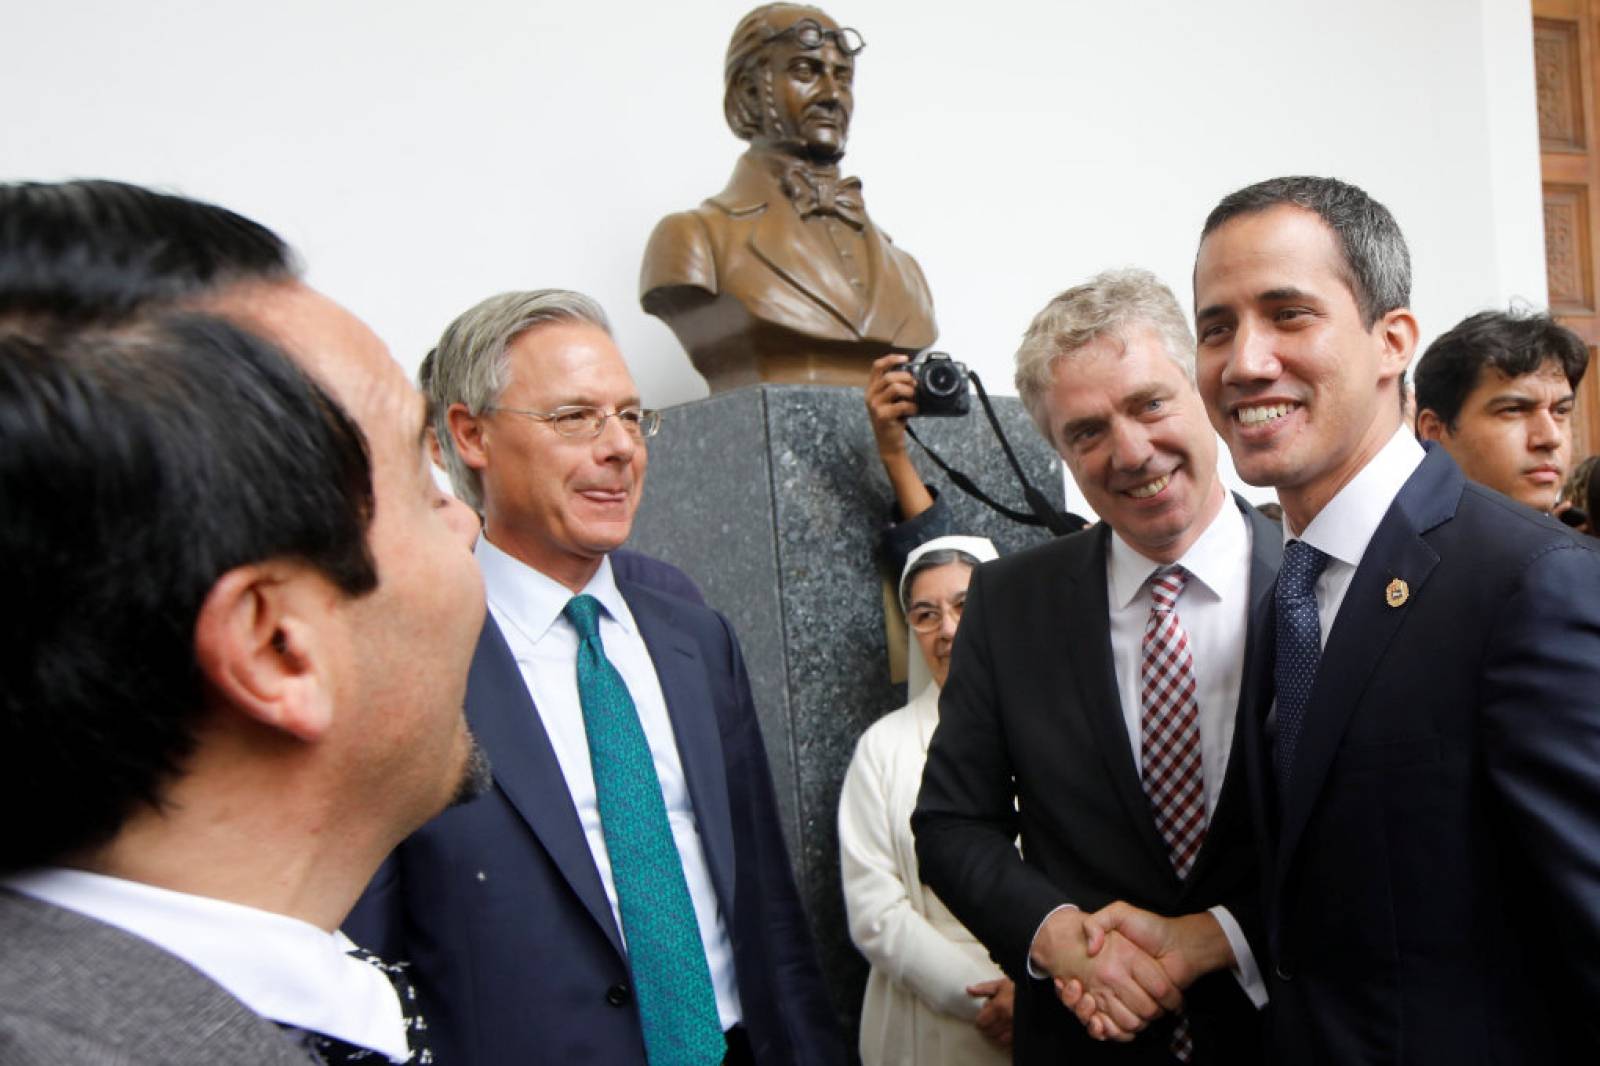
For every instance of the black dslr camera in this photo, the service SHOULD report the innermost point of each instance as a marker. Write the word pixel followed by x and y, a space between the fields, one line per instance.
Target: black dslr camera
pixel 941 385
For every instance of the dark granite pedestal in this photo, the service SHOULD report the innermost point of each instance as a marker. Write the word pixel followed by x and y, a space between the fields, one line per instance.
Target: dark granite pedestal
pixel 772 498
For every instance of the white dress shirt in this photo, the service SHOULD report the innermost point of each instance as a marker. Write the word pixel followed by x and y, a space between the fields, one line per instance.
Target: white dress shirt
pixel 285 970
pixel 1214 609
pixel 527 605
pixel 1344 527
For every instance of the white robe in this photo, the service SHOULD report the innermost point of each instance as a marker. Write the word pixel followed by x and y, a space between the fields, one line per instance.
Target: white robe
pixel 916 1011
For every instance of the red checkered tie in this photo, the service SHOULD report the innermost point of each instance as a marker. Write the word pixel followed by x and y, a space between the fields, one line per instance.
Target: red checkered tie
pixel 1169 739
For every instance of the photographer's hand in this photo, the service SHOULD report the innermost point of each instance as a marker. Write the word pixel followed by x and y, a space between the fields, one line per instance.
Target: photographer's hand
pixel 890 394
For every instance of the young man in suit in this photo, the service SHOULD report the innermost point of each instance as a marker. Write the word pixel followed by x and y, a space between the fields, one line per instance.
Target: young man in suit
pixel 1425 758
pixel 577 913
pixel 237 617
pixel 1091 703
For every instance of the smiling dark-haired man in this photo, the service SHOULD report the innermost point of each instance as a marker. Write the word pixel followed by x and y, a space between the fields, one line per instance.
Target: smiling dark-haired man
pixel 1424 753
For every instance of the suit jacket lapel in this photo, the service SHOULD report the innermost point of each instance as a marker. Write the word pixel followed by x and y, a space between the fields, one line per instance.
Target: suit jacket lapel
pixel 1089 658
pixel 682 674
pixel 875 321
pixel 786 245
pixel 1363 630
pixel 506 723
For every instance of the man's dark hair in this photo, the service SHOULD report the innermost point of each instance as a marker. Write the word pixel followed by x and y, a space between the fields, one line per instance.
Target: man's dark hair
pixel 99 251
pixel 1513 344
pixel 1377 265
pixel 137 466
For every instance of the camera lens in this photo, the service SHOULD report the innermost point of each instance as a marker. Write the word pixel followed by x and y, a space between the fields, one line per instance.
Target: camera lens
pixel 941 379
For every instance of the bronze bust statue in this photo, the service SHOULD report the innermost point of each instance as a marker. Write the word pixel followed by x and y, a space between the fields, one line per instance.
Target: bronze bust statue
pixel 782 276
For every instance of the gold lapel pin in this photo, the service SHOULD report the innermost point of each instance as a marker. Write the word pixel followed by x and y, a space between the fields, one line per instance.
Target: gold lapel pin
pixel 1397 593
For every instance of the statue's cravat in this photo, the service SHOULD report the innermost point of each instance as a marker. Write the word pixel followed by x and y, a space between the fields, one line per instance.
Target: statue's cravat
pixel 816 192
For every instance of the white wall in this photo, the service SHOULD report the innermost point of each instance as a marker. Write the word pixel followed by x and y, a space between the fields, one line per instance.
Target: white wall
pixel 423 156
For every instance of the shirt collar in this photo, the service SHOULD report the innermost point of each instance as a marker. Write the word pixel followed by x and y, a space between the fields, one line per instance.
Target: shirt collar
pixel 532 601
pixel 1344 527
pixel 1212 560
pixel 285 970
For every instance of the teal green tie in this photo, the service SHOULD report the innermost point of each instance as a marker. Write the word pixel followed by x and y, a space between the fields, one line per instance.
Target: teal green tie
pixel 671 980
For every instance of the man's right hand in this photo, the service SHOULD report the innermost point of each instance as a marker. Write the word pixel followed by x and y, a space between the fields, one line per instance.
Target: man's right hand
pixel 1129 987
pixel 891 399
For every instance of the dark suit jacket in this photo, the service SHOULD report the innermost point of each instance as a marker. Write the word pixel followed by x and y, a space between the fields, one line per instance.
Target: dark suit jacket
pixel 1433 870
pixel 498 905
pixel 74 990
pixel 748 249
pixel 1032 694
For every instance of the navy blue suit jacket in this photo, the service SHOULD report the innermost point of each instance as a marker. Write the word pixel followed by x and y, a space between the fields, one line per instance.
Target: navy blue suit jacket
pixel 499 907
pixel 1433 868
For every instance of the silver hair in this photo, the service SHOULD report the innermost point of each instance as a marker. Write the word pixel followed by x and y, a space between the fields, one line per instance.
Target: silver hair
pixel 1108 304
pixel 469 364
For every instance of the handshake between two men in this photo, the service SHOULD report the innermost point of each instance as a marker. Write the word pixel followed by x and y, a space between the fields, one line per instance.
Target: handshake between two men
pixel 1120 968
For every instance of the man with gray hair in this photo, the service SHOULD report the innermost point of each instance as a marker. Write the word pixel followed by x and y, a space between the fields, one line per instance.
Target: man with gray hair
pixel 1090 709
pixel 623 893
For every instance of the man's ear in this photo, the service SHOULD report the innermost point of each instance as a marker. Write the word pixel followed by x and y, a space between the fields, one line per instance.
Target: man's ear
pixel 1430 426
pixel 1397 332
pixel 262 644
pixel 466 429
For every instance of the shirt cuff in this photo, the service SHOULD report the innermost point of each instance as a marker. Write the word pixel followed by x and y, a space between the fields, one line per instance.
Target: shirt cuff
pixel 1245 970
pixel 1033 971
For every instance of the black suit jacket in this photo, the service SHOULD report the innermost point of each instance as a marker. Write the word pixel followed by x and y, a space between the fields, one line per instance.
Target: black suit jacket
pixel 1032 696
pixel 1433 869
pixel 498 905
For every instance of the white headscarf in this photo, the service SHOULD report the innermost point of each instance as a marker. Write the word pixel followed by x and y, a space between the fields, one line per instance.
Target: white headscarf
pixel 918 676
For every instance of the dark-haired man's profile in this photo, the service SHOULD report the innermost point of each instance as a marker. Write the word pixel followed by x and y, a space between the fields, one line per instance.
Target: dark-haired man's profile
pixel 234 641
pixel 782 276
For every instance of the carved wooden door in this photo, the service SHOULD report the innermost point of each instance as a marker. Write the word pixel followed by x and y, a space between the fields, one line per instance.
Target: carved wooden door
pixel 1565 57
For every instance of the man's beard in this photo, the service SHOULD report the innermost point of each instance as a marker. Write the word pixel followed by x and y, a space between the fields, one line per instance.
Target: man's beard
pixel 477 776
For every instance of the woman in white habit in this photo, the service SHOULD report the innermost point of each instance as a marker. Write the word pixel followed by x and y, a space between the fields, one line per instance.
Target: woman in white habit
pixel 934 997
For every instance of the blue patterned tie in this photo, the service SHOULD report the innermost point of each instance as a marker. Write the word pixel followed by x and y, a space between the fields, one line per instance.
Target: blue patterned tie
pixel 1299 648
pixel 671 980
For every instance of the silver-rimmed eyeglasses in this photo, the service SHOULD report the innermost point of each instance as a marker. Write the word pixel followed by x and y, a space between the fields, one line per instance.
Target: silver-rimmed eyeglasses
pixel 809 34
pixel 582 420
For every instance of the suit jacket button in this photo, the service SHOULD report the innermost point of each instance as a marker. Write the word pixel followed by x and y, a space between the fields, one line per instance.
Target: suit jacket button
pixel 1283 972
pixel 617 995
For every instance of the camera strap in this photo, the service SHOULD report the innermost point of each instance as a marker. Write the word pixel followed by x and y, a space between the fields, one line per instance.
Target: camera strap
pixel 1044 513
